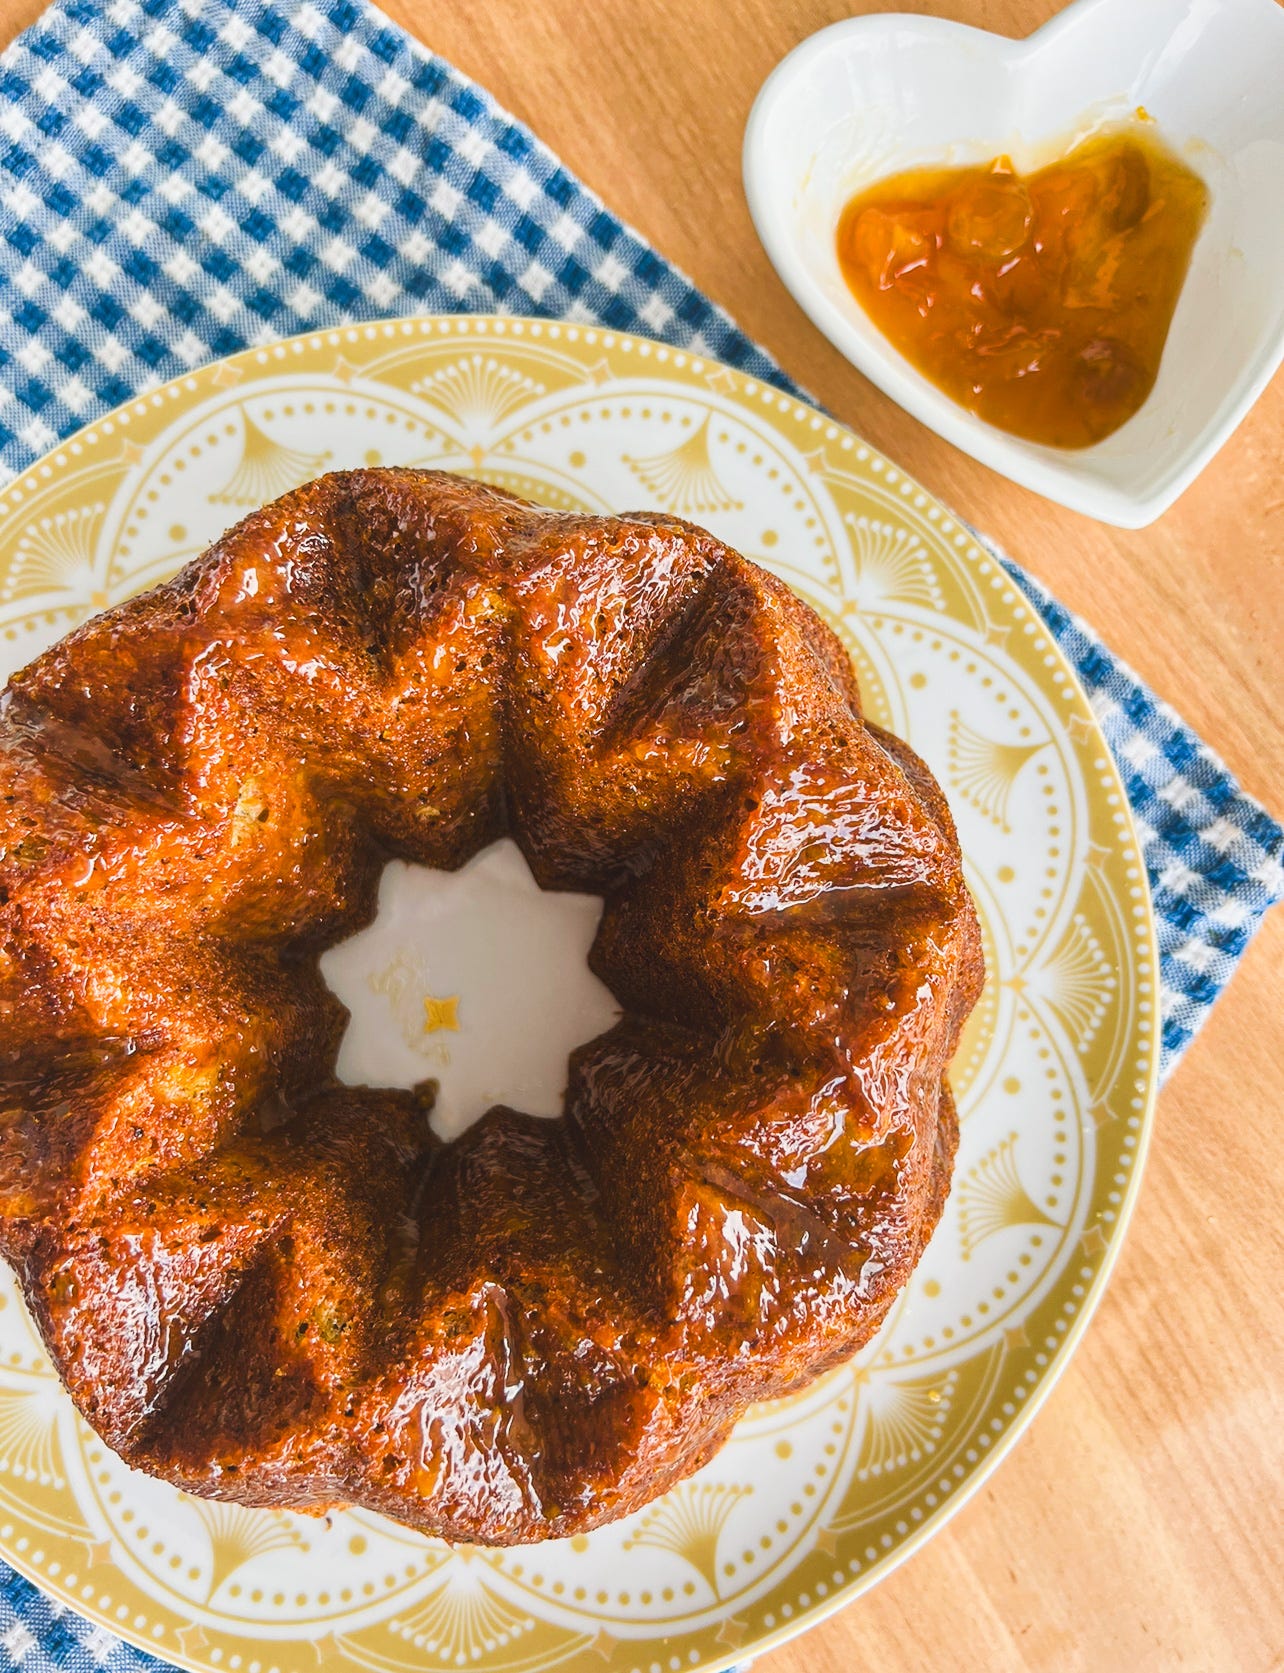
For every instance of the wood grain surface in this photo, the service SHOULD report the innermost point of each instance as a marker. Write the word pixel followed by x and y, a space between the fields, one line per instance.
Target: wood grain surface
pixel 1137 1527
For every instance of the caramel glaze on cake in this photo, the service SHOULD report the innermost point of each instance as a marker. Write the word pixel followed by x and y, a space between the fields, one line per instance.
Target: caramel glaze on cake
pixel 265 1286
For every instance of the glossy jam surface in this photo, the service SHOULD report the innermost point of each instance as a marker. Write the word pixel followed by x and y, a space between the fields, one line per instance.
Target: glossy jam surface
pixel 264 1284
pixel 1039 302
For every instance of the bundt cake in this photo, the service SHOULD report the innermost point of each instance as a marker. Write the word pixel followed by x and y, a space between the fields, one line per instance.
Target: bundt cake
pixel 265 1286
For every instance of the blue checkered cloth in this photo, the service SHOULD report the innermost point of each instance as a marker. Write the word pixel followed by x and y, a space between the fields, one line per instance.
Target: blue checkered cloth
pixel 182 178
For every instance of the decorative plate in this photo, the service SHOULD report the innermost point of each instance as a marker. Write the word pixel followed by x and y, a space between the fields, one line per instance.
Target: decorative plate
pixel 815 1497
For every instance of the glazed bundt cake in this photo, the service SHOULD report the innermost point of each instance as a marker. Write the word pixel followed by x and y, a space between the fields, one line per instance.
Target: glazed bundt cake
pixel 265 1286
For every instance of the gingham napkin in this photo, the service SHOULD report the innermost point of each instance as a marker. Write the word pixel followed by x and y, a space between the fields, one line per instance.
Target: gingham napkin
pixel 181 178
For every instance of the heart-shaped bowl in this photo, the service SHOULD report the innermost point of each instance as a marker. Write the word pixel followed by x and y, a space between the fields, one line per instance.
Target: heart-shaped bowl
pixel 873 95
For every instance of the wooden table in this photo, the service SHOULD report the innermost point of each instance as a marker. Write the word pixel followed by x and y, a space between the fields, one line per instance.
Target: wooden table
pixel 1137 1526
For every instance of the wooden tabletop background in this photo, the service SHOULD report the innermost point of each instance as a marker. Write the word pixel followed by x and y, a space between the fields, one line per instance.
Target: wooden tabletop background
pixel 1137 1527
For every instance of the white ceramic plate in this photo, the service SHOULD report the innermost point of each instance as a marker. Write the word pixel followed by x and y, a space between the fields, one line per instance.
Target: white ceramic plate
pixel 873 95
pixel 814 1498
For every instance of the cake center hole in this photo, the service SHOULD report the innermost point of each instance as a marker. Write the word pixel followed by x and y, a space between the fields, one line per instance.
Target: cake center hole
pixel 476 979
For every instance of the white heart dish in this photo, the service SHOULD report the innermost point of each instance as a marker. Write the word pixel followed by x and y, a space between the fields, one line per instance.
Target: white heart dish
pixel 873 95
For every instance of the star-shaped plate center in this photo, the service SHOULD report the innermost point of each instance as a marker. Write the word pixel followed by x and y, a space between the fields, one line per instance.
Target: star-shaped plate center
pixel 476 979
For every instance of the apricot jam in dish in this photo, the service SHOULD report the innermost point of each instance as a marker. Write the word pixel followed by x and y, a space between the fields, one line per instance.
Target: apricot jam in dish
pixel 1039 302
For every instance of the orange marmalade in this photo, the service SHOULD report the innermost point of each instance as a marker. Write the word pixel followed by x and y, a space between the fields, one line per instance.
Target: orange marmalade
pixel 1039 302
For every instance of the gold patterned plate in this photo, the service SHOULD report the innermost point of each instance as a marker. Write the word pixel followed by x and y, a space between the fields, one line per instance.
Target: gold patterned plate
pixel 816 1497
